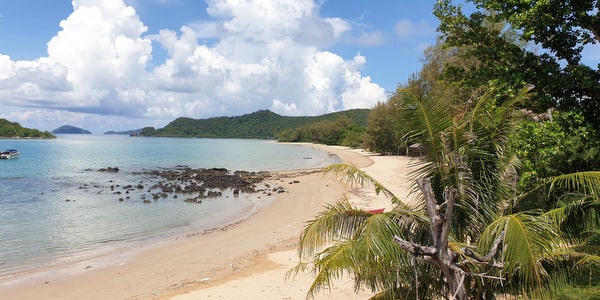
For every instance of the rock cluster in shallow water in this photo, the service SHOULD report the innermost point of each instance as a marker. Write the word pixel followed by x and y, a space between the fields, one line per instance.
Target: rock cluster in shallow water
pixel 195 184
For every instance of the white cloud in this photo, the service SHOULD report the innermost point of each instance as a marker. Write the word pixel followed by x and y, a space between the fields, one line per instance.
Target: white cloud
pixel 372 38
pixel 408 29
pixel 264 55
pixel 338 25
pixel 261 20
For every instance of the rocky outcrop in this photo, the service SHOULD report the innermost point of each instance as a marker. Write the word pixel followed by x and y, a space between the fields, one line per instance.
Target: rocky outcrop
pixel 194 184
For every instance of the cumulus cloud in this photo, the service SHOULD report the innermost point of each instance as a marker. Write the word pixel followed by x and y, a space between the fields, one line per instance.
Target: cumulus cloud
pixel 264 55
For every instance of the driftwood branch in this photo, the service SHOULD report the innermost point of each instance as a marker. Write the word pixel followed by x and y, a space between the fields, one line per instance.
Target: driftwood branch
pixel 488 257
pixel 450 197
pixel 415 249
pixel 432 209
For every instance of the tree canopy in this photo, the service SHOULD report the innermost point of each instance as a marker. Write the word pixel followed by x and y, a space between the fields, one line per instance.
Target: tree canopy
pixel 527 42
pixel 467 224
pixel 15 130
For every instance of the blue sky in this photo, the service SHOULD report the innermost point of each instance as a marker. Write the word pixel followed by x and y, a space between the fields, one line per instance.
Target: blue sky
pixel 125 64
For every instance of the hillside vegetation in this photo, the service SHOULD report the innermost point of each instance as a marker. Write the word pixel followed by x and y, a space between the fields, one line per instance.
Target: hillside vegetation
pixel 68 129
pixel 262 124
pixel 15 130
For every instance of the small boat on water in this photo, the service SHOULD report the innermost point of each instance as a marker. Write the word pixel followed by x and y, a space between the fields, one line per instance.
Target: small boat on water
pixel 11 153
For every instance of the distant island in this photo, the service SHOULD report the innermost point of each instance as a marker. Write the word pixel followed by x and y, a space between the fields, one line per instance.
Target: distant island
pixel 15 130
pixel 263 124
pixel 133 132
pixel 68 129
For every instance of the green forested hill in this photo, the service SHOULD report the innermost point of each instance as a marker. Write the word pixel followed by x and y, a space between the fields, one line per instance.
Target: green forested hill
pixel 15 130
pixel 70 130
pixel 262 124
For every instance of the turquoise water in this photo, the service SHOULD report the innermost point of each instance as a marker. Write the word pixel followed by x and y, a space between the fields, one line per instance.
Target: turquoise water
pixel 55 206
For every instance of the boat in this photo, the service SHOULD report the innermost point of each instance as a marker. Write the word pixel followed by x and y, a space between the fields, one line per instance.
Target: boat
pixel 11 153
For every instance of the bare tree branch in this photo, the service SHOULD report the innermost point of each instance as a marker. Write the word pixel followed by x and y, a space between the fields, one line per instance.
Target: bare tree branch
pixel 450 197
pixel 432 209
pixel 486 259
pixel 415 249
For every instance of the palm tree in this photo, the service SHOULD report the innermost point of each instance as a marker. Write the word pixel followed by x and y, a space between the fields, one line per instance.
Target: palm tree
pixel 465 226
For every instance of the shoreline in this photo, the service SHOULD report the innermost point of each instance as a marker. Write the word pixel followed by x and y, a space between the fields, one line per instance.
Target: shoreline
pixel 103 252
pixel 124 251
pixel 198 262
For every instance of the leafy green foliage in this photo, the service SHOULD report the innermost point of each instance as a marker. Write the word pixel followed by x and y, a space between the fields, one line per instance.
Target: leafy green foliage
pixel 15 130
pixel 550 148
pixel 385 133
pixel 341 131
pixel 496 39
pixel 468 227
pixel 563 27
pixel 262 124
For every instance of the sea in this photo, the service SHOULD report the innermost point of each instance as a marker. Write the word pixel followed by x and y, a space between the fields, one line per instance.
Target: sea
pixel 57 207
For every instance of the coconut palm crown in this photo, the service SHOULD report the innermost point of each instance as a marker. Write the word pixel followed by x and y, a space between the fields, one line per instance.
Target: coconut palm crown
pixel 464 237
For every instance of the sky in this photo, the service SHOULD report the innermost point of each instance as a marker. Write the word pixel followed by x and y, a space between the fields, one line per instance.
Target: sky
pixel 118 65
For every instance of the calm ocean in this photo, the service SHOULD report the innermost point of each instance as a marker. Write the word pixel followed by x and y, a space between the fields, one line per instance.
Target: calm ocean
pixel 55 206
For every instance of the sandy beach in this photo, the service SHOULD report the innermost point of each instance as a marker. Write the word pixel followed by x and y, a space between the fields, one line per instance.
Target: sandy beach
pixel 245 260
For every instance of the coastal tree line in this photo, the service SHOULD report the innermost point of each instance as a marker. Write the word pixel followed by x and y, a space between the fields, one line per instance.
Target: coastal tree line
pixel 507 186
pixel 15 130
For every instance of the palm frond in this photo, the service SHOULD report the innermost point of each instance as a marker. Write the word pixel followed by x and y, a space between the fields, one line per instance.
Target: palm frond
pixel 588 260
pixel 332 263
pixel 429 118
pixel 380 264
pixel 529 239
pixel 586 183
pixel 576 217
pixel 370 256
pixel 337 221
pixel 359 178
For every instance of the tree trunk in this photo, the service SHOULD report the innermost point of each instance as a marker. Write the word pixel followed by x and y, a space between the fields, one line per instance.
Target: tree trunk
pixel 455 281
pixel 439 255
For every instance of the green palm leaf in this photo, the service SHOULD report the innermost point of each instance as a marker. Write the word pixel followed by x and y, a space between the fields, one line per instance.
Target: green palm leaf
pixel 576 217
pixel 338 221
pixel 586 183
pixel 589 260
pixel 528 240
pixel 331 264
pixel 359 178
pixel 361 245
pixel 428 119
